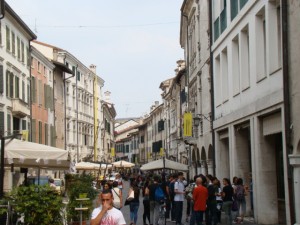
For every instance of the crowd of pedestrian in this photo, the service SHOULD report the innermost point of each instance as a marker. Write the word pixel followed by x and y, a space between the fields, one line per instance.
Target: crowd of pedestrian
pixel 206 198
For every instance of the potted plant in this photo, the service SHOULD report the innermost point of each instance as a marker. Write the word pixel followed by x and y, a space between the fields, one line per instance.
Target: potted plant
pixel 78 185
pixel 39 204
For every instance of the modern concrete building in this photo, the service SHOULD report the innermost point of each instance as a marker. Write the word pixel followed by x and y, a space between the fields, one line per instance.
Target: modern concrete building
pixel 249 104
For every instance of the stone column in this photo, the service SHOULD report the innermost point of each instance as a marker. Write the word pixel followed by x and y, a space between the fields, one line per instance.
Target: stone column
pixel 203 167
pixel 210 167
pixel 295 162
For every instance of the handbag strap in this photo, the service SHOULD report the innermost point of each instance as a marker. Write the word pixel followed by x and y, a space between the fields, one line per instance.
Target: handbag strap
pixel 116 193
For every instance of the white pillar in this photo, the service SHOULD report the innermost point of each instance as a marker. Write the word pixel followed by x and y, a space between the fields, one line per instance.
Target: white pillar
pixel 295 162
pixel 210 167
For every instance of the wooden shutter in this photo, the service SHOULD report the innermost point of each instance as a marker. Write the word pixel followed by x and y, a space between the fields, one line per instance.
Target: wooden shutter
pixel 40 132
pixel 40 91
pixel 1 79
pixel 8 124
pixel 33 89
pixel 1 123
pixel 46 134
pixel 18 48
pixel 11 85
pixel 7 38
pixel 33 124
pixel 13 49
pixel 17 87
pixel 23 90
pixel 7 83
pixel 50 90
pixel 45 96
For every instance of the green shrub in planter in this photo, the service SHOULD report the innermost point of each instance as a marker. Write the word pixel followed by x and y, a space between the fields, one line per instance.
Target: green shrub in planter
pixel 40 204
pixel 77 185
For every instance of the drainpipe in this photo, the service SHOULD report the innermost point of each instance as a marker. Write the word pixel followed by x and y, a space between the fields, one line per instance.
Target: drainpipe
pixel 212 87
pixel 286 102
pixel 77 135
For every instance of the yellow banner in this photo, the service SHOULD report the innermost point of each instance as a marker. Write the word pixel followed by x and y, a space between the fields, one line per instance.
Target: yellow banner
pixel 24 135
pixel 112 152
pixel 187 124
pixel 161 152
pixel 149 155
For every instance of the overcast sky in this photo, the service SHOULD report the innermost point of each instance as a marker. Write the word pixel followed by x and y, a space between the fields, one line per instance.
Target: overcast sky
pixel 133 43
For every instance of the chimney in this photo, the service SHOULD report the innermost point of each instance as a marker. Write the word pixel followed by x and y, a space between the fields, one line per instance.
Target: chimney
pixel 93 68
pixel 107 96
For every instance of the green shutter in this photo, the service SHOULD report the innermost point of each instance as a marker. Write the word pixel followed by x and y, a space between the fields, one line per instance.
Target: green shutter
pixel 13 49
pixel 33 124
pixel 53 136
pixel 17 86
pixel 18 48
pixel 23 124
pixel 23 90
pixel 45 96
pixel 11 85
pixel 33 89
pixel 46 134
pixel 22 51
pixel 8 124
pixel 40 132
pixel 7 83
pixel 1 123
pixel 1 79
pixel 7 38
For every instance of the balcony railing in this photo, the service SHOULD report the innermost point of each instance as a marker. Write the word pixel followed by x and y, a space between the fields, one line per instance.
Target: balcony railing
pixel 20 108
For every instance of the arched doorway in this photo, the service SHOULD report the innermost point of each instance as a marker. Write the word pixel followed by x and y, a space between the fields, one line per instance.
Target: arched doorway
pixel 203 161
pixel 210 160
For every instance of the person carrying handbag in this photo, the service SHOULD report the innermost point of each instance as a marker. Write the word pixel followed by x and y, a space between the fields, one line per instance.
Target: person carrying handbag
pixel 117 194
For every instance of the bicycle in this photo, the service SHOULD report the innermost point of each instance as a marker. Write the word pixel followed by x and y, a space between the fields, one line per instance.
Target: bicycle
pixel 162 214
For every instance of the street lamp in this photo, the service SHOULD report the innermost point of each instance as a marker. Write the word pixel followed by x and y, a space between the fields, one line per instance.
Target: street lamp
pixel 198 119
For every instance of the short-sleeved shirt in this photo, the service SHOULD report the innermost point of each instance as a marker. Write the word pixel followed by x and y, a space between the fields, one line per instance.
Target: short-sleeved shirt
pixel 200 195
pixel 228 191
pixel 179 186
pixel 111 217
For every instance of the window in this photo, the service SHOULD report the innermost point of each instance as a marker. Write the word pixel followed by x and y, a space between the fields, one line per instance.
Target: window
pixel 40 92
pixel 245 63
pixel 235 66
pixel 40 132
pixel 8 124
pixel 28 57
pixel 33 89
pixel 2 123
pixel 23 124
pixel 1 79
pixel 17 86
pixel 19 48
pixel 7 38
pixel 22 51
pixel 260 42
pixel 78 75
pixel 39 66
pixel 11 85
pixel 218 84
pixel 23 90
pixel 13 49
pixel 33 124
pixel 224 71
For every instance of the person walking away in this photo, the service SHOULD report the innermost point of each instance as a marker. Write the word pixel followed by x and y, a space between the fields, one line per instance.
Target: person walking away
pixel 106 214
pixel 134 204
pixel 179 198
pixel 241 200
pixel 120 181
pixel 146 202
pixel 154 205
pixel 219 199
pixel 227 195
pixel 200 195
pixel 211 201
pixel 117 195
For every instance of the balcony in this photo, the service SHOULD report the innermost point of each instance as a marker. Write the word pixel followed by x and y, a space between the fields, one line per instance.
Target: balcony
pixel 20 108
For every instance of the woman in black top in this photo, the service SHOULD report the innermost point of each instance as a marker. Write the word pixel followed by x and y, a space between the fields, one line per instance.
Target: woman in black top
pixel 146 203
pixel 227 195
pixel 134 204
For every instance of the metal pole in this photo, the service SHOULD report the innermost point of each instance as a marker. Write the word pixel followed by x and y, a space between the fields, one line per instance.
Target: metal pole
pixel 2 167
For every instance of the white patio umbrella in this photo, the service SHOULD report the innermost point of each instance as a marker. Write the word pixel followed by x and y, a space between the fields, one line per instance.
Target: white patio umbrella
pixel 164 164
pixel 123 163
pixel 29 154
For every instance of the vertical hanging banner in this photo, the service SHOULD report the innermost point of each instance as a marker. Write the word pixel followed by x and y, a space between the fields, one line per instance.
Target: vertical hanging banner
pixel 161 152
pixel 149 155
pixel 112 152
pixel 24 135
pixel 187 124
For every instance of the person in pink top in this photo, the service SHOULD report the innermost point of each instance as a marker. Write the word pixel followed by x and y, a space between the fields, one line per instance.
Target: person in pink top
pixel 200 195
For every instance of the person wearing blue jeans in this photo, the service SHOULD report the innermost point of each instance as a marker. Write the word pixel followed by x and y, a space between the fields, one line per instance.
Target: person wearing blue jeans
pixel 197 217
pixel 135 203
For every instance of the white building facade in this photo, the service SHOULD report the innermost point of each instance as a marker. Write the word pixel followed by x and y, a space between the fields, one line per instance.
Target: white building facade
pixel 248 103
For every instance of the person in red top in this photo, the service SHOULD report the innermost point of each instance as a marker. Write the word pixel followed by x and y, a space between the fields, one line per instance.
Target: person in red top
pixel 200 195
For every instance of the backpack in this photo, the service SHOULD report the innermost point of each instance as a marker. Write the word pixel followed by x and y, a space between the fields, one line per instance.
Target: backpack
pixel 239 193
pixel 159 194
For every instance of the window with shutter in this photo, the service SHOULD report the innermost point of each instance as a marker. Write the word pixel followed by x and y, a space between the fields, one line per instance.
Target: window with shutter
pixel 33 124
pixel 45 96
pixel 1 79
pixel 28 57
pixel 1 123
pixel 18 48
pixel 22 51
pixel 11 85
pixel 23 124
pixel 40 132
pixel 7 83
pixel 7 38
pixel 50 90
pixel 13 46
pixel 33 89
pixel 40 92
pixel 46 134
pixel 28 90
pixel 23 90
pixel 8 124
pixel 17 85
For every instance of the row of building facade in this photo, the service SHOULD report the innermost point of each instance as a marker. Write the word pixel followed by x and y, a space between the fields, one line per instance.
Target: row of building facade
pixel 50 96
pixel 239 81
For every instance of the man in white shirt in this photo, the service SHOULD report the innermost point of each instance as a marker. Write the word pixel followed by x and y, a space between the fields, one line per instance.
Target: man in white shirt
pixel 179 198
pixel 106 214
